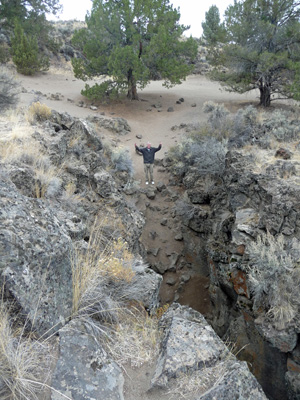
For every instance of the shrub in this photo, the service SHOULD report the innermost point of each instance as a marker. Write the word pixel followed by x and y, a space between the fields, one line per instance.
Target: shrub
pixel 206 155
pixel 38 112
pixel 122 161
pixel 218 118
pixel 245 127
pixel 106 90
pixel 9 89
pixel 26 53
pixel 274 278
pixel 282 126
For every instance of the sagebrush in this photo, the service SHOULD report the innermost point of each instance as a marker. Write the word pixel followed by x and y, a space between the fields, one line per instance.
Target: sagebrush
pixel 274 278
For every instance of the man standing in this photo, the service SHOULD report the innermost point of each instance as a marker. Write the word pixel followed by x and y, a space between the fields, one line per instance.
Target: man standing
pixel 148 156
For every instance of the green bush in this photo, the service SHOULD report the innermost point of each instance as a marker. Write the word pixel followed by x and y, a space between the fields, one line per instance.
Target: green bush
pixel 106 90
pixel 26 53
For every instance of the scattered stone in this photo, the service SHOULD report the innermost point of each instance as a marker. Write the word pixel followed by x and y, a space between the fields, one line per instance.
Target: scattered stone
pixel 160 186
pixel 150 194
pixel 170 109
pixel 158 105
pixel 139 136
pixel 154 251
pixel 185 277
pixel 93 108
pixel 171 280
pixel 164 221
pixel 194 105
pixel 181 99
pixel 173 261
pixel 179 237
pixel 159 267
pixel 283 153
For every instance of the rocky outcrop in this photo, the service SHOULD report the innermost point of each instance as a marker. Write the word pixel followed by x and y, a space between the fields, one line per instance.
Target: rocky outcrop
pixel 41 223
pixel 35 251
pixel 228 215
pixel 43 220
pixel 189 345
pixel 83 369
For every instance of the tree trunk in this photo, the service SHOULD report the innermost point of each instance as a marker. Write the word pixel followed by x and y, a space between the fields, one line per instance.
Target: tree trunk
pixel 265 96
pixel 132 92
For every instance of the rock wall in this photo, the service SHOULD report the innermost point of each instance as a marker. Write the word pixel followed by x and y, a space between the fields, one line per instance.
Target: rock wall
pixel 228 215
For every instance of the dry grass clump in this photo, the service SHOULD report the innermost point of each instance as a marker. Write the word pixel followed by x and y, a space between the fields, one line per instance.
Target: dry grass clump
pixel 195 384
pixel 38 112
pixel 100 271
pixel 24 362
pixel 29 152
pixel 101 275
pixel 134 340
pixel 274 277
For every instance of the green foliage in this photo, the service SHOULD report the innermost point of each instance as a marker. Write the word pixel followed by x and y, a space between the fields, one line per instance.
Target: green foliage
pixel 274 278
pixel 22 10
pixel 8 90
pixel 263 49
pixel 213 31
pixel 107 89
pixel 132 42
pixel 26 53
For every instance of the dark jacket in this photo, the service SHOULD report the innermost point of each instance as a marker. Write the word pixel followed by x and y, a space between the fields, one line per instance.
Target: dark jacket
pixel 148 154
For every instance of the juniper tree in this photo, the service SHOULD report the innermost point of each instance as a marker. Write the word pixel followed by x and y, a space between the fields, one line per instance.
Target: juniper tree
pixel 213 29
pixel 23 9
pixel 26 53
pixel 263 49
pixel 132 41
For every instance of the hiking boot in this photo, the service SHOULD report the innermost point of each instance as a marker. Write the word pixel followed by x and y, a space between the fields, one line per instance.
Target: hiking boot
pixel 152 182
pixel 147 182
